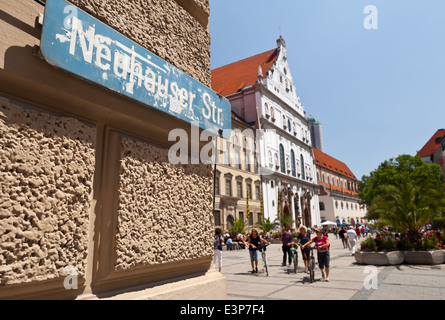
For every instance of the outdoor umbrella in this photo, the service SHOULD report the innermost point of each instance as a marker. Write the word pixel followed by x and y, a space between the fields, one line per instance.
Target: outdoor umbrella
pixel 328 223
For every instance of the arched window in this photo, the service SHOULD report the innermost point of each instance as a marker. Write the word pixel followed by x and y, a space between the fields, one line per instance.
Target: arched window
pixel 303 175
pixel 292 163
pixel 282 161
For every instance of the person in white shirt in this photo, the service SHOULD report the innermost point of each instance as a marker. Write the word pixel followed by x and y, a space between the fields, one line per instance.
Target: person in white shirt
pixel 352 236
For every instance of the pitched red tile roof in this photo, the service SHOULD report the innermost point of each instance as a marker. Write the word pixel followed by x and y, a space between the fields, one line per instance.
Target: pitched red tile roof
pixel 332 164
pixel 233 77
pixel 432 145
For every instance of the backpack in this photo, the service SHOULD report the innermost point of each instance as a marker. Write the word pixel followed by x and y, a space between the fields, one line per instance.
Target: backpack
pixel 217 242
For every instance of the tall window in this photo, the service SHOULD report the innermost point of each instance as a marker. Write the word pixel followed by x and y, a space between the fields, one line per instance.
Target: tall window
pixel 228 187
pixel 239 189
pixel 217 217
pixel 257 192
pixel 282 161
pixel 249 190
pixel 303 175
pixel 292 163
pixel 217 185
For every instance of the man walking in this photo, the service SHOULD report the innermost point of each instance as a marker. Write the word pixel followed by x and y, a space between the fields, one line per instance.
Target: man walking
pixel 352 237
pixel 286 240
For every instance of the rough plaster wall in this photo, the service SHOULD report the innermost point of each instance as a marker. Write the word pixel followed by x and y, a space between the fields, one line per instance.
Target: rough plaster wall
pixel 161 26
pixel 46 174
pixel 164 210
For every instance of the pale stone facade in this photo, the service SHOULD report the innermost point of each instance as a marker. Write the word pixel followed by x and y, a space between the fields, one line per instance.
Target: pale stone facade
pixel 85 179
pixel 236 176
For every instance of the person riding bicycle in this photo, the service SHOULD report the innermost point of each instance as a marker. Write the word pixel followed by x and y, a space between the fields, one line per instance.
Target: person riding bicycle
pixel 323 255
pixel 253 242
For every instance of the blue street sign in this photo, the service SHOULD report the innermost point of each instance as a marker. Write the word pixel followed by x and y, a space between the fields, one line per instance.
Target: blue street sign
pixel 80 44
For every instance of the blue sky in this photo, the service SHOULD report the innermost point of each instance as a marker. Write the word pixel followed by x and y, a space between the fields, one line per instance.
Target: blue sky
pixel 378 93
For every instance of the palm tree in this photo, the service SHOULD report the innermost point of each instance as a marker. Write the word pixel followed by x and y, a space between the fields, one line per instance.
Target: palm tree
pixel 285 220
pixel 408 205
pixel 266 225
pixel 238 226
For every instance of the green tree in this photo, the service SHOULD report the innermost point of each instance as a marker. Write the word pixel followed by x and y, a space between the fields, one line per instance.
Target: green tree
pixel 407 204
pixel 412 168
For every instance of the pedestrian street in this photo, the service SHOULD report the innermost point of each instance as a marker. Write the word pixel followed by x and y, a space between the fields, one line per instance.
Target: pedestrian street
pixel 348 280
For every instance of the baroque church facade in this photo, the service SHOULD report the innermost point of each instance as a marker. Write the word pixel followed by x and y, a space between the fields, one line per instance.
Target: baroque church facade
pixel 261 90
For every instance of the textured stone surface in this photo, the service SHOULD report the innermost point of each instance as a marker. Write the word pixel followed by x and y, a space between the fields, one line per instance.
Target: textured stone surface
pixel 164 210
pixel 46 174
pixel 161 26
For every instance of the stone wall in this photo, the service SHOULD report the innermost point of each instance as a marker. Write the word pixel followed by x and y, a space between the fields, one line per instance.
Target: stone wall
pixel 84 174
pixel 166 218
pixel 46 172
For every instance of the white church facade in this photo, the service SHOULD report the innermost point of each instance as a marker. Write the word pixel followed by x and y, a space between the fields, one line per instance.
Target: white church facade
pixel 261 91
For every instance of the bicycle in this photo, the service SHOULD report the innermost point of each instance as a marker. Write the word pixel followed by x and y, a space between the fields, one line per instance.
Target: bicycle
pixel 262 249
pixel 294 255
pixel 312 265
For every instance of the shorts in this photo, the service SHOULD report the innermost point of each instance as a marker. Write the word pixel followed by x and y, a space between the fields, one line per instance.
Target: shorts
pixel 253 255
pixel 306 252
pixel 323 259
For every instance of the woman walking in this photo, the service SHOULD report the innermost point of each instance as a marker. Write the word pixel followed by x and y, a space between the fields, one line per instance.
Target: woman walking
pixel 303 238
pixel 322 245
pixel 253 242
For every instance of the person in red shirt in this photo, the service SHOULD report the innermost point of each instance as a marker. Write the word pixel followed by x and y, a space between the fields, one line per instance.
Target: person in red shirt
pixel 323 255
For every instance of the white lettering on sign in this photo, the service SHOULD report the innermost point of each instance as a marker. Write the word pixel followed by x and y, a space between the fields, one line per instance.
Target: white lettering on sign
pixel 116 60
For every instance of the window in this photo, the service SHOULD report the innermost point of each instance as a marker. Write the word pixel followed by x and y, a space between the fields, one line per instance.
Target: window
pixel 239 189
pixel 289 125
pixel 241 215
pixel 250 219
pixel 217 217
pixel 292 163
pixel 282 163
pixel 217 185
pixel 322 208
pixel 257 192
pixel 246 160
pixel 303 176
pixel 228 187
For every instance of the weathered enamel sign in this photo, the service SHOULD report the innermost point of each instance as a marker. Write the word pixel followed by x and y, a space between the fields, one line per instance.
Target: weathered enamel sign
pixel 79 43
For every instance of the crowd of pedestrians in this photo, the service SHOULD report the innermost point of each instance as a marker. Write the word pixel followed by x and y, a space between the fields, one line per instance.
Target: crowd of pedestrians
pixel 319 237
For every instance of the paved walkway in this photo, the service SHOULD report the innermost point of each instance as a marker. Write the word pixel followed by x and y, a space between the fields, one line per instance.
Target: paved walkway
pixel 348 280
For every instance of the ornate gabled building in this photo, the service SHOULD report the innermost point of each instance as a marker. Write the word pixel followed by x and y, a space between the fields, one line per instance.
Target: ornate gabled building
pixel 339 201
pixel 261 90
pixel 434 151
